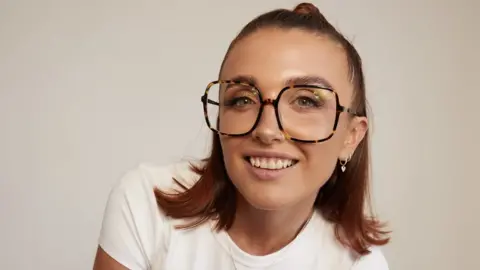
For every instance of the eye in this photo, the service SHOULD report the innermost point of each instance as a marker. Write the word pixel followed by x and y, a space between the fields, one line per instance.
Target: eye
pixel 306 102
pixel 240 102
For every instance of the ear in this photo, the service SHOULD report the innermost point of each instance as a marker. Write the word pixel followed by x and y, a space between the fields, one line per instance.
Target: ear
pixel 356 131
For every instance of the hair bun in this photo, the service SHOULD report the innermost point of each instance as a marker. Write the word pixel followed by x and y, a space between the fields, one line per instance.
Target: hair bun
pixel 307 9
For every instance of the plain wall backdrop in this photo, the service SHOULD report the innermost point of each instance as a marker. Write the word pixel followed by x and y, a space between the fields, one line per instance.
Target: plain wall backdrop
pixel 90 89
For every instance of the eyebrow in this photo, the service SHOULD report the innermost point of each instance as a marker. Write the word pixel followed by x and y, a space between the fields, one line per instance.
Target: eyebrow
pixel 310 80
pixel 302 80
pixel 244 79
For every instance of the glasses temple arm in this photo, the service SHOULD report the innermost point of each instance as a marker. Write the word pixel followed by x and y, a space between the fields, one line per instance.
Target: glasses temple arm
pixel 204 99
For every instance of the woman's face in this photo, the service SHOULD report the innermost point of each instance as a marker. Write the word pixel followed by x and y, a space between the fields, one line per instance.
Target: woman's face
pixel 272 58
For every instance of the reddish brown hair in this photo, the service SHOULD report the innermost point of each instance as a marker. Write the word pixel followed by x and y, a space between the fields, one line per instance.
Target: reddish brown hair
pixel 344 198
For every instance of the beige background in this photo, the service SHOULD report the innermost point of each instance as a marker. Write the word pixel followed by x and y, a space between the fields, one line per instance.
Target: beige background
pixel 88 89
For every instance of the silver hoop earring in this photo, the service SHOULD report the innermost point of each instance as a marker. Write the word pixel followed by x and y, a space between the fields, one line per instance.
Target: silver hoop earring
pixel 343 163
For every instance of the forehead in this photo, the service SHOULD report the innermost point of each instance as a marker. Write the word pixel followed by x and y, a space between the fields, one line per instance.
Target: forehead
pixel 274 56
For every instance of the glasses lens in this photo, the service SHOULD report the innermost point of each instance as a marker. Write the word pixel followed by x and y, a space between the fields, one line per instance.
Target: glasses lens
pixel 232 108
pixel 308 113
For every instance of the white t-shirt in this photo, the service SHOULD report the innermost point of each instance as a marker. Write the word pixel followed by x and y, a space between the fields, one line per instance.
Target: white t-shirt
pixel 137 235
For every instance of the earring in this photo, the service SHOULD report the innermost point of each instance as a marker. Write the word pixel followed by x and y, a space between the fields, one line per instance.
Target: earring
pixel 343 163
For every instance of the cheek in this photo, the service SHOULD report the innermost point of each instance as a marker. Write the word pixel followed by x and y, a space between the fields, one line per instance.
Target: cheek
pixel 229 145
pixel 230 148
pixel 328 150
pixel 321 160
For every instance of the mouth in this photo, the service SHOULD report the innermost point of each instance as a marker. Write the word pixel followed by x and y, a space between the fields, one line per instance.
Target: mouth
pixel 270 163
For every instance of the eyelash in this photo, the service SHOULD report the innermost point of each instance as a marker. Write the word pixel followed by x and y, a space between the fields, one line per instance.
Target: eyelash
pixel 233 102
pixel 315 103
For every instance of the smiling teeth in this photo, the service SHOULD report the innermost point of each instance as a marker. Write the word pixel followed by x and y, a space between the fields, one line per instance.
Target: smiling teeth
pixel 270 163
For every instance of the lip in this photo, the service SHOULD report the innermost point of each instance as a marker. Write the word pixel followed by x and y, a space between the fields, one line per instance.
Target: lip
pixel 269 154
pixel 266 174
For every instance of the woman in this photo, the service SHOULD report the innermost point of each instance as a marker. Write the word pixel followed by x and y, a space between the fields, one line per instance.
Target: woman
pixel 286 184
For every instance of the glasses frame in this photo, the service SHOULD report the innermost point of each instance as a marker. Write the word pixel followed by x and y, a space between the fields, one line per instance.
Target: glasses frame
pixel 274 102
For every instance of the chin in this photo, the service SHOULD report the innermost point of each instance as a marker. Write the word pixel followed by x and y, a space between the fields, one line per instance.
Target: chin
pixel 268 200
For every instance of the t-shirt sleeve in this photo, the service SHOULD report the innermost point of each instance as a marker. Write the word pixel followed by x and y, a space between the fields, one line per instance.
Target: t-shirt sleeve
pixel 131 220
pixel 373 261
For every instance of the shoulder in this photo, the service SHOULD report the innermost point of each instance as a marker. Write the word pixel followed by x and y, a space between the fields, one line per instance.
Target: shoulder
pixel 133 227
pixel 338 254
pixel 134 193
pixel 375 260
pixel 150 175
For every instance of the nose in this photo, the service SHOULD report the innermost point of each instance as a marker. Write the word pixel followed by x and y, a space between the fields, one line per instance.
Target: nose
pixel 267 130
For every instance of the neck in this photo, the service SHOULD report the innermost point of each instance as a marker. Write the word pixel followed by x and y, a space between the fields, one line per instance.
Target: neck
pixel 261 232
